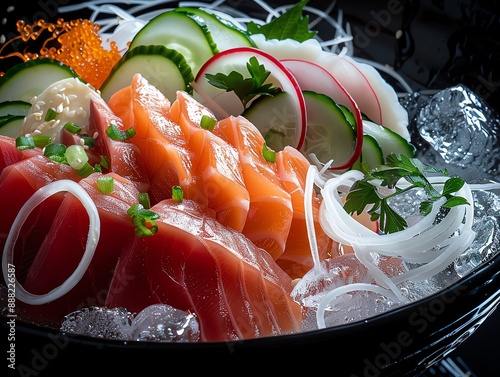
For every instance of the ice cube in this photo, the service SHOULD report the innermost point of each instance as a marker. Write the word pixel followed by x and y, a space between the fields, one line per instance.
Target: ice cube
pixel 456 129
pixel 487 228
pixel 98 322
pixel 164 323
pixel 348 307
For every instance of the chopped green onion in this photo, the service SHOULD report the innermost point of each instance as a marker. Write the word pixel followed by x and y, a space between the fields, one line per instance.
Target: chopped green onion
pixel 269 154
pixel 71 127
pixel 56 152
pixel 85 170
pixel 116 134
pixel 76 156
pixel 207 122
pixel 144 200
pixel 50 115
pixel 24 142
pixel 88 141
pixel 143 220
pixel 177 193
pixel 106 184
pixel 104 162
pixel 98 168
pixel 41 141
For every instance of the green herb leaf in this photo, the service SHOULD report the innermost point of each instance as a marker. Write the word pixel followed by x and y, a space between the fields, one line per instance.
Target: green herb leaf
pixel 291 24
pixel 366 192
pixel 245 88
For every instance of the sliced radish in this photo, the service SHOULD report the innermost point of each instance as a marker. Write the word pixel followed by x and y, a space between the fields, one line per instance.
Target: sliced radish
pixel 352 78
pixel 313 77
pixel 224 103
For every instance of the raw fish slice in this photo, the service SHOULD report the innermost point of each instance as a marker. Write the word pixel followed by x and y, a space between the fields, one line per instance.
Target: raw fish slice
pixel 9 153
pixel 297 258
pixel 64 244
pixel 195 264
pixel 270 214
pixel 124 158
pixel 217 161
pixel 18 182
pixel 167 158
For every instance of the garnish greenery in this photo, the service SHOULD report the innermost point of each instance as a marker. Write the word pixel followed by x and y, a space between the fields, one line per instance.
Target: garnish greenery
pixel 245 88
pixel 268 154
pixel 367 191
pixel 291 24
pixel 143 220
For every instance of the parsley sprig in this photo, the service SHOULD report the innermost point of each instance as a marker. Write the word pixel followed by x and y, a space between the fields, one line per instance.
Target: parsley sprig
pixel 291 24
pixel 245 88
pixel 367 191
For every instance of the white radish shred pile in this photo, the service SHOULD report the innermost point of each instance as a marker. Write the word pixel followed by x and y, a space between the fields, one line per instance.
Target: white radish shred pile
pixel 40 195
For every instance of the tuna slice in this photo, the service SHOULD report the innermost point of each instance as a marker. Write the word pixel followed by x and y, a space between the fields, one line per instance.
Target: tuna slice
pixel 235 289
pixel 62 249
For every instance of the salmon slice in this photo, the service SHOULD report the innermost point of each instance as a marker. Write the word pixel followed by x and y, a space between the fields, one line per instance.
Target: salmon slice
pixel 297 259
pixel 194 263
pixel 164 149
pixel 18 182
pixel 9 153
pixel 270 214
pixel 217 161
pixel 124 157
pixel 53 264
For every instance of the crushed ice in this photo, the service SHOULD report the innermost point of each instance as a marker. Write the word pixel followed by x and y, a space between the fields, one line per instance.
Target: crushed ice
pixel 160 323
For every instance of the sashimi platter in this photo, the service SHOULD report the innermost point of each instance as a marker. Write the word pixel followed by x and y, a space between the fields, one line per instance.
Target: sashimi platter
pixel 187 174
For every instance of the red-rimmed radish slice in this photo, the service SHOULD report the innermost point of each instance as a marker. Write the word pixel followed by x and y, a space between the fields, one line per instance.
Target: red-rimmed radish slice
pixel 224 103
pixel 313 77
pixel 352 78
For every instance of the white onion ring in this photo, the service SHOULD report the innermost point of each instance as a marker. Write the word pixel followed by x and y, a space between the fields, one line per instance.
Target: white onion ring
pixel 92 239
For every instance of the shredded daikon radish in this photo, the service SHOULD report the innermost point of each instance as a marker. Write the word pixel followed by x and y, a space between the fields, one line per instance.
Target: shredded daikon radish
pixel 92 239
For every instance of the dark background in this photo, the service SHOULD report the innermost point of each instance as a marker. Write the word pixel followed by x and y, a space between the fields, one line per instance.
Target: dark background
pixel 441 43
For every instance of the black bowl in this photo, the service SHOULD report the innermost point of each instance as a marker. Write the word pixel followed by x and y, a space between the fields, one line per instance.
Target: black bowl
pixel 441 44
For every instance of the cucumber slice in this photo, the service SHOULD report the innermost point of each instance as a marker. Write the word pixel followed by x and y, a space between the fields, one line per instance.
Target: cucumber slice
pixel 183 32
pixel 329 133
pixel 164 68
pixel 14 108
pixel 371 154
pixel 28 79
pixel 224 33
pixel 275 118
pixel 389 141
pixel 10 125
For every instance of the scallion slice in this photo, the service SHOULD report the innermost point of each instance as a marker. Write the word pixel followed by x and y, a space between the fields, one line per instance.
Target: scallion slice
pixel 85 170
pixel 143 220
pixel 207 122
pixel 177 193
pixel 76 156
pixel 50 115
pixel 88 141
pixel 71 127
pixel 116 134
pixel 106 184
pixel 41 141
pixel 24 142
pixel 269 154
pixel 144 200
pixel 56 152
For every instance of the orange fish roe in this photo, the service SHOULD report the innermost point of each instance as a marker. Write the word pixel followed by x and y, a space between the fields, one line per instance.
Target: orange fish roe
pixel 76 43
